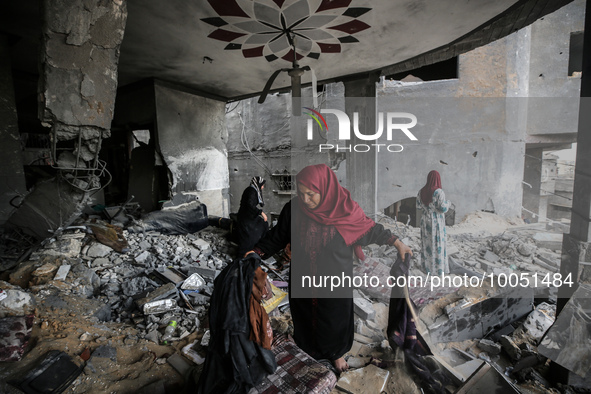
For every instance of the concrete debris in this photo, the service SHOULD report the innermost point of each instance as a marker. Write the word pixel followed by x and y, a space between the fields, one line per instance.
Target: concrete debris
pixel 540 320
pixel 511 348
pixel 489 346
pixel 550 241
pixel 363 308
pixel 370 379
pixel 130 297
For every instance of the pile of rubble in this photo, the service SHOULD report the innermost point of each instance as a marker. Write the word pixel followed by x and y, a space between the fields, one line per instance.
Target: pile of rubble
pixel 147 293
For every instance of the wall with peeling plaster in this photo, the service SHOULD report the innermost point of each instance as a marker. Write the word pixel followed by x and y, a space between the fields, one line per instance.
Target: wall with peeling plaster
pixel 192 139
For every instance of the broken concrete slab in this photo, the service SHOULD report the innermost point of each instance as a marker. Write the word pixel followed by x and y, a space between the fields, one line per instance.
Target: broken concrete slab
pixel 566 343
pixel 98 250
pixel 540 320
pixel 370 379
pixel 486 379
pixel 363 308
pixel 490 256
pixel 62 272
pixel 466 369
pixel 489 346
pixel 510 347
pixel 474 318
pixel 16 303
pixel 550 241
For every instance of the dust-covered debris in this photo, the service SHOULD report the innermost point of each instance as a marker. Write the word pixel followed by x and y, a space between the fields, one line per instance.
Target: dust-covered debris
pixel 86 296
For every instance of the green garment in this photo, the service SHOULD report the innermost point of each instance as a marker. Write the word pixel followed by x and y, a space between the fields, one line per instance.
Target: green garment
pixel 433 250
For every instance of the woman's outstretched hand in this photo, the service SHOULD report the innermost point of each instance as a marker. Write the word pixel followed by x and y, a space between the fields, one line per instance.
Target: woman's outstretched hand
pixel 402 248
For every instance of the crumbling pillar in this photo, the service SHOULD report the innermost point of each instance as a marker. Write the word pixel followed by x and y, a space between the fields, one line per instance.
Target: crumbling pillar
pixel 532 177
pixel 77 86
pixel 576 246
pixel 362 174
pixel 12 183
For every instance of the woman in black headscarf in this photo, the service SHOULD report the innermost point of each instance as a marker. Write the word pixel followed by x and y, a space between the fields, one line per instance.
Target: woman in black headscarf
pixel 252 221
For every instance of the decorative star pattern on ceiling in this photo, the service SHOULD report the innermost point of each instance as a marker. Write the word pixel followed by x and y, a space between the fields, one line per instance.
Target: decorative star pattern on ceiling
pixel 271 28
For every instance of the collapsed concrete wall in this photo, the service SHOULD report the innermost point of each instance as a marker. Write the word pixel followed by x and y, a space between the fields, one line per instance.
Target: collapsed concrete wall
pixel 192 140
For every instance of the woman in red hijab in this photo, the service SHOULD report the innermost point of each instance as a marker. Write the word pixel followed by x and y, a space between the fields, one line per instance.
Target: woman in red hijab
pixel 324 226
pixel 432 204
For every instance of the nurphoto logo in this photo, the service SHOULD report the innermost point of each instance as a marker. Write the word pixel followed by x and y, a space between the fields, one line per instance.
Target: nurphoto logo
pixel 390 119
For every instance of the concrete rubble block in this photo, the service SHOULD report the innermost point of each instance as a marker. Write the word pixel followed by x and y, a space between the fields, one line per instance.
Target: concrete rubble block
pixel 510 348
pixel 44 271
pixel 152 336
pixel 539 263
pixel 67 245
pixel 490 256
pixel 179 363
pixel 451 249
pixel 363 308
pixel 98 250
pixel 363 339
pixel 143 257
pixel 100 262
pixel 526 249
pixel 540 320
pixel 567 341
pixel 370 379
pixel 62 272
pixel 489 346
pixel 466 369
pixel 550 241
pixel 457 268
pixel 473 318
pixel 552 259
pixel 201 244
pixel 16 303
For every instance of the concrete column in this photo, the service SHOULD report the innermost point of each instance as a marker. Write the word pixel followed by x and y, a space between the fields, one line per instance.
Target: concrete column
pixel 12 174
pixel 362 175
pixel 576 246
pixel 77 86
pixel 532 176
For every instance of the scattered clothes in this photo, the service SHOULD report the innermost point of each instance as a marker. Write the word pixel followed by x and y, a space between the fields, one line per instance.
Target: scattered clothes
pixel 260 328
pixel 15 332
pixel 234 364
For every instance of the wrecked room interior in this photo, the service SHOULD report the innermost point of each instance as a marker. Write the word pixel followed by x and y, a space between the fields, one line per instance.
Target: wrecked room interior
pixel 438 154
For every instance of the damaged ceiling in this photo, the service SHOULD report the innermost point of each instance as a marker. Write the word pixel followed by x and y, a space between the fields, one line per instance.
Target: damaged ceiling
pixel 230 49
